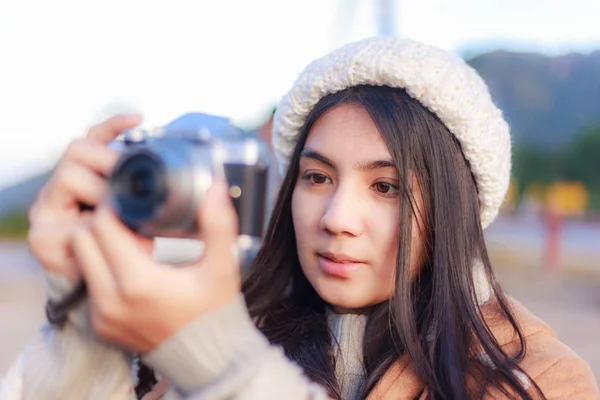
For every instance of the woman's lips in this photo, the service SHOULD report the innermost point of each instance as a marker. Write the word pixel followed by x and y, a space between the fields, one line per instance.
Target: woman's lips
pixel 339 269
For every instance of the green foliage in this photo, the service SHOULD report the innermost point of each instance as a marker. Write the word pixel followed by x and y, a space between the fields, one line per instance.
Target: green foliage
pixel 533 164
pixel 584 157
pixel 14 225
pixel 579 161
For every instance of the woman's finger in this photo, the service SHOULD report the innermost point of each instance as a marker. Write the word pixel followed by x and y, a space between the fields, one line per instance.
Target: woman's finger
pixel 127 256
pixel 51 244
pixel 94 155
pixel 74 183
pixel 94 267
pixel 108 130
pixel 218 223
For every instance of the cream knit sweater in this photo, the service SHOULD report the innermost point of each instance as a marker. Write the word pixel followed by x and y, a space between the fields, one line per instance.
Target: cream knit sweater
pixel 219 356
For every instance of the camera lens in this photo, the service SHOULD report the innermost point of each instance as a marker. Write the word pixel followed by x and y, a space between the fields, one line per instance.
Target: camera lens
pixel 141 177
pixel 143 183
pixel 139 187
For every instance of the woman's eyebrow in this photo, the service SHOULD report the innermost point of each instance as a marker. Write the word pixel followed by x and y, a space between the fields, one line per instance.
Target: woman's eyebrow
pixel 360 166
pixel 309 153
pixel 376 164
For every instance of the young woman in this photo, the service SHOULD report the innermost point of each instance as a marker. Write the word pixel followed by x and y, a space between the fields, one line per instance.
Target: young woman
pixel 373 281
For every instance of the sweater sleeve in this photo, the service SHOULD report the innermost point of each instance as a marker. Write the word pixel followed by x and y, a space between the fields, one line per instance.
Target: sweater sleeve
pixel 223 355
pixel 68 363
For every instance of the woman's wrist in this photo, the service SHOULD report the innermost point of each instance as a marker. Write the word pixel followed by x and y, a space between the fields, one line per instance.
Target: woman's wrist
pixel 216 343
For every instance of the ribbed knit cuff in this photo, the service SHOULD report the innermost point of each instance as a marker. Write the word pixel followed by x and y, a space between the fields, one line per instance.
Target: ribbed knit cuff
pixel 58 286
pixel 200 353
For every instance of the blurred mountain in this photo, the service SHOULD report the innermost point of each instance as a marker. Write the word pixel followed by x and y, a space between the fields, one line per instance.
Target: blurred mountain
pixel 20 196
pixel 546 100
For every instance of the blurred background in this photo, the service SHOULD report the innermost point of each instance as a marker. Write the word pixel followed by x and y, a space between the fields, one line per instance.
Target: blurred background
pixel 67 64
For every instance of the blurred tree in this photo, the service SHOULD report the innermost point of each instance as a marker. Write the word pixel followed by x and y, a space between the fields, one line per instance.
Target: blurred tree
pixel 14 225
pixel 512 196
pixel 577 162
pixel 536 165
pixel 583 162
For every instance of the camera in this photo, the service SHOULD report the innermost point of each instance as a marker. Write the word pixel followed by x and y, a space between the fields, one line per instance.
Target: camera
pixel 163 175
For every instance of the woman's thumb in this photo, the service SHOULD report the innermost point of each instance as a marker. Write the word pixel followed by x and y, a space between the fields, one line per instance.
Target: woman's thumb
pixel 218 222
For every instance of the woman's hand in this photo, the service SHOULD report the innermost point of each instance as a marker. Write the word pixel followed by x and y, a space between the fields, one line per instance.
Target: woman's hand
pixel 137 302
pixel 79 178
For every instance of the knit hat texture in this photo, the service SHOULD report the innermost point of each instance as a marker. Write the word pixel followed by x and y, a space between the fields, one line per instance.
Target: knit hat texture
pixel 441 81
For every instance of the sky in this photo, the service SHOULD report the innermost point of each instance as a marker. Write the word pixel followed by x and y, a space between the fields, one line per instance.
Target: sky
pixel 66 64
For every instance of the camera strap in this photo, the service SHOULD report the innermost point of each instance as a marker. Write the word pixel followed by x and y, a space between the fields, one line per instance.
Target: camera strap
pixel 57 312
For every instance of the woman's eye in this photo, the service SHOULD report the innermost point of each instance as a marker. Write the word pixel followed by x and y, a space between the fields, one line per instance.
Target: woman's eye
pixel 317 179
pixel 386 188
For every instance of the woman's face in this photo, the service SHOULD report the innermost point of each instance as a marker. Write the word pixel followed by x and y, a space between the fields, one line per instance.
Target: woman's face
pixel 345 209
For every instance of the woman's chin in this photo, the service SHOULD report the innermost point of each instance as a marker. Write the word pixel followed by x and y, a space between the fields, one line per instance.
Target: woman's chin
pixel 343 300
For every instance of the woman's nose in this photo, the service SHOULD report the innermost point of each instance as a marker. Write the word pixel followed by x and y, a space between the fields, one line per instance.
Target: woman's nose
pixel 344 213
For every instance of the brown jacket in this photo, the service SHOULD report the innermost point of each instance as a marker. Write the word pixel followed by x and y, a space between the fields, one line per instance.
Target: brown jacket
pixel 555 368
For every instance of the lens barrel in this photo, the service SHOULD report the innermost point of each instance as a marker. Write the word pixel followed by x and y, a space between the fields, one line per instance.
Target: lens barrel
pixel 139 187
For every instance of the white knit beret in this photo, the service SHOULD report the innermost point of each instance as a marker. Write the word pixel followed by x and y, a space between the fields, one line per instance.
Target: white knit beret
pixel 441 81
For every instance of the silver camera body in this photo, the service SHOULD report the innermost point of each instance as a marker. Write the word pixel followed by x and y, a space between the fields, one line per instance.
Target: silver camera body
pixel 163 175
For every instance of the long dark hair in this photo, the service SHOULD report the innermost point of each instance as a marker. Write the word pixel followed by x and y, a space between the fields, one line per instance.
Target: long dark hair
pixel 434 318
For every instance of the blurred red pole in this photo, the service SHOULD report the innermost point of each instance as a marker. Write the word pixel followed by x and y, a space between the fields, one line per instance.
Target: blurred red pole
pixel 553 230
